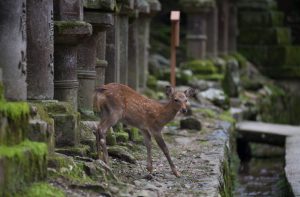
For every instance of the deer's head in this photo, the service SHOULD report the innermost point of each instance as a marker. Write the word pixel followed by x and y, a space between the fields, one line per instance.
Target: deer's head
pixel 179 99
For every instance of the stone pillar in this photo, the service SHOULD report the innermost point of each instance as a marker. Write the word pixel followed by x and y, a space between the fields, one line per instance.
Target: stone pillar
pixel 197 28
pixel 223 7
pixel 144 37
pixel 13 48
pixel 142 7
pixel 212 32
pixel 87 58
pixel 232 27
pixel 40 57
pixel 69 31
pixel 112 72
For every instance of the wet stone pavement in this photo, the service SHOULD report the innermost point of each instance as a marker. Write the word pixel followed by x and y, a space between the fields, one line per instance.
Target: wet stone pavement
pixel 197 154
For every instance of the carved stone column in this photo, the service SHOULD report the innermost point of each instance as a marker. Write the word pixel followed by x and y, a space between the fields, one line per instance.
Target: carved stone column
pixel 142 7
pixel 69 31
pixel 232 27
pixel 212 32
pixel 112 72
pixel 223 7
pixel 40 57
pixel 87 58
pixel 197 27
pixel 13 48
pixel 144 37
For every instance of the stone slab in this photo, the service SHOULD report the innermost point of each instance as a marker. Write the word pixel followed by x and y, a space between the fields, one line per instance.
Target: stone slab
pixel 265 132
pixel 292 160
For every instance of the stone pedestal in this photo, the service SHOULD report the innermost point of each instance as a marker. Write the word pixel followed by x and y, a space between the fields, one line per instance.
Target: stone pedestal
pixel 69 31
pixel 144 37
pixel 212 32
pixel 142 7
pixel 199 14
pixel 87 59
pixel 13 48
pixel 196 35
pixel 40 57
pixel 223 7
pixel 67 36
pixel 232 27
pixel 112 73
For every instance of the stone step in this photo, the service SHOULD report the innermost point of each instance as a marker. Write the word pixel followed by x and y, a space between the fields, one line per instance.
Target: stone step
pixel 20 165
pixel 260 18
pixel 264 36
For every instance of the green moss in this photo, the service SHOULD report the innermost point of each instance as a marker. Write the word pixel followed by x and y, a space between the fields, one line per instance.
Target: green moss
pixel 226 116
pixel 134 134
pixel 212 77
pixel 240 58
pixel 226 186
pixel 201 67
pixel 1 92
pixel 14 110
pixel 209 113
pixel 152 82
pixel 41 190
pixel 69 169
pixel 14 122
pixel 21 165
pixel 63 27
pixel 122 137
pixel 111 138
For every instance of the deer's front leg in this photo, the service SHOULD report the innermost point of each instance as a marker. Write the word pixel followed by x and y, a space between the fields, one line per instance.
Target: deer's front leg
pixel 147 141
pixel 161 143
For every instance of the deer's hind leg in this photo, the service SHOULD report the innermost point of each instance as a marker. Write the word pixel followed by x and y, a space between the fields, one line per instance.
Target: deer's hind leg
pixel 104 125
pixel 147 141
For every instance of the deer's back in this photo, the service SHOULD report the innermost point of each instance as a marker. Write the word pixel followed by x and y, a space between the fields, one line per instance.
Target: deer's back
pixel 134 109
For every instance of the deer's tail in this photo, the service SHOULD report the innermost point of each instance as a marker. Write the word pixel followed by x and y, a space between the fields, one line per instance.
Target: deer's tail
pixel 99 99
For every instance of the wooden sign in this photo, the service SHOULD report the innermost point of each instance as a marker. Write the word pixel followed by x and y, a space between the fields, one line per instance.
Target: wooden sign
pixel 175 20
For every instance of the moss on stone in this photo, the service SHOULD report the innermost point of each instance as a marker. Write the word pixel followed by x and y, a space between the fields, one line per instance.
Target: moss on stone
pixel 103 5
pixel 14 122
pixel 111 138
pixel 226 116
pixel 122 137
pixel 1 91
pixel 134 134
pixel 41 190
pixel 22 164
pixel 212 77
pixel 152 82
pixel 72 27
pixel 194 5
pixel 14 110
pixel 209 113
pixel 201 67
pixel 79 150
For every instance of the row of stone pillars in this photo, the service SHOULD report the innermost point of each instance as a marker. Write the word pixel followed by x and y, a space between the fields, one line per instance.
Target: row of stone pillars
pixel 62 49
pixel 212 28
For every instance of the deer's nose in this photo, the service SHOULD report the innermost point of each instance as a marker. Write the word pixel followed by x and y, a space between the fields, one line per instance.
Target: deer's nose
pixel 183 110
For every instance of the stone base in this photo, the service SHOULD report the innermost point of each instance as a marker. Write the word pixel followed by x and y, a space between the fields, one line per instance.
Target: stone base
pixel 65 121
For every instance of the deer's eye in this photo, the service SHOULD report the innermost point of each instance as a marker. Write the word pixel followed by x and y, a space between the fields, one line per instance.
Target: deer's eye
pixel 176 100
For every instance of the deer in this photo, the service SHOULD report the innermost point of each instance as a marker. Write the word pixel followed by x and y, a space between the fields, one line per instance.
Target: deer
pixel 119 103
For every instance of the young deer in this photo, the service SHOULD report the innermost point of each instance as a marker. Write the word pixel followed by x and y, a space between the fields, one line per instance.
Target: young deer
pixel 117 102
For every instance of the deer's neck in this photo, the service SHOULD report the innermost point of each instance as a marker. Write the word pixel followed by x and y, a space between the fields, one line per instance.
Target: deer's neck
pixel 168 113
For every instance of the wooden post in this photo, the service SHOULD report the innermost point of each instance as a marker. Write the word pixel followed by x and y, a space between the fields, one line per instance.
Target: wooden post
pixel 175 18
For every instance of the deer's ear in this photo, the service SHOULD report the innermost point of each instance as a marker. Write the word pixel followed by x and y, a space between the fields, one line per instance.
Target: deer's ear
pixel 190 92
pixel 169 91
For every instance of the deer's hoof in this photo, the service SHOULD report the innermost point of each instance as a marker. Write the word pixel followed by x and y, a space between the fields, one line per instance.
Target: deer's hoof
pixel 176 173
